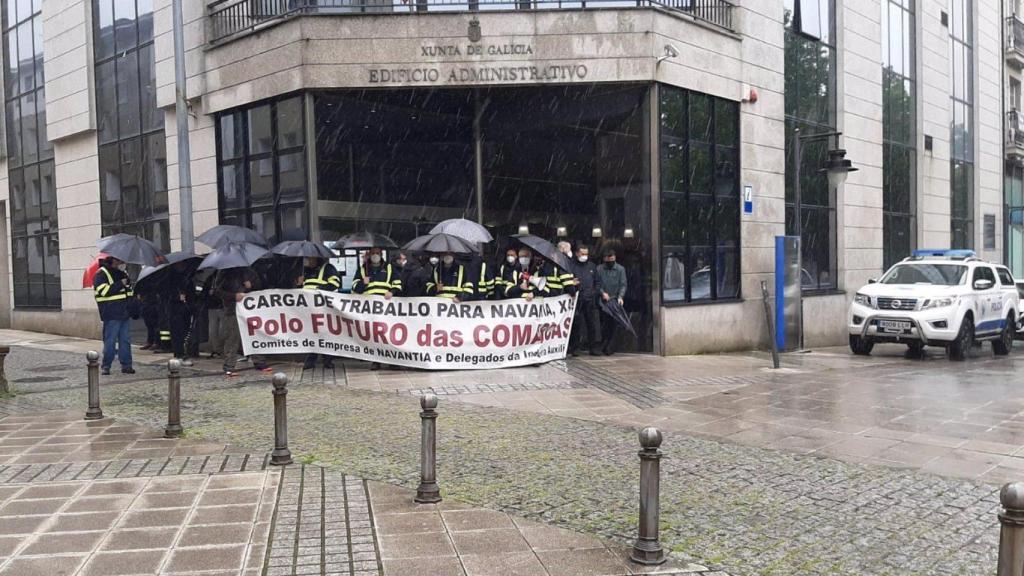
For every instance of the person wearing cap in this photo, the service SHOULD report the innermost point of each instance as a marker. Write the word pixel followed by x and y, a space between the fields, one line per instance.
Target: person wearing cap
pixel 450 280
pixel 529 278
pixel 613 286
pixel 376 277
pixel 113 291
pixel 318 274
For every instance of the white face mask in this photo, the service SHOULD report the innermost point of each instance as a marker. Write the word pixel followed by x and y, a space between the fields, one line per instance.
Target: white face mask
pixel 510 259
pixel 448 260
pixel 434 260
pixel 375 258
pixel 122 267
pixel 583 259
pixel 524 262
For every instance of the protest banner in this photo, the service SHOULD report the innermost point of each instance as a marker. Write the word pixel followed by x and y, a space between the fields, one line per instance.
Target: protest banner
pixel 431 333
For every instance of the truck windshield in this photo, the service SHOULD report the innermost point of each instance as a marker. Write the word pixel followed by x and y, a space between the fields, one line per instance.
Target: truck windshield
pixel 941 274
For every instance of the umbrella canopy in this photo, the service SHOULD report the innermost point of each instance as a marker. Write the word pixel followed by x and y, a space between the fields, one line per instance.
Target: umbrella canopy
pixel 618 313
pixel 364 240
pixel 131 249
pixel 544 248
pixel 91 270
pixel 302 249
pixel 223 233
pixel 152 277
pixel 465 229
pixel 440 243
pixel 233 255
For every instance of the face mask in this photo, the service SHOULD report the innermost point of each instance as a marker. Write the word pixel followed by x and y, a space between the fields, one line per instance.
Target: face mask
pixel 510 259
pixel 400 263
pixel 434 260
pixel 583 259
pixel 609 264
pixel 122 267
pixel 524 262
pixel 448 260
pixel 375 258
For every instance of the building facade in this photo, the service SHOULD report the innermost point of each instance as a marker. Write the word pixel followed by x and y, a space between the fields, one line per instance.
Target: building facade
pixel 666 130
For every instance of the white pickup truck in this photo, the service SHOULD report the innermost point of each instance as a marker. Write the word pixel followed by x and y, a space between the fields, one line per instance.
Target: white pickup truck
pixel 946 298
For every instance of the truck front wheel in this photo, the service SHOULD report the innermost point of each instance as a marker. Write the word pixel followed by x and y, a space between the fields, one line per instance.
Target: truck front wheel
pixel 964 339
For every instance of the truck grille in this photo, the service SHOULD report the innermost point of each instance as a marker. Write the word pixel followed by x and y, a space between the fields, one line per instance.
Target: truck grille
pixel 897 303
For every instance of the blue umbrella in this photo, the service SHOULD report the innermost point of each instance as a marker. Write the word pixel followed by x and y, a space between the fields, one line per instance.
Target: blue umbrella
pixel 233 255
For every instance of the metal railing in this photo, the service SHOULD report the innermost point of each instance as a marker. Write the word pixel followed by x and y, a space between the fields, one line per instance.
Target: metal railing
pixel 229 18
pixel 1014 129
pixel 1014 34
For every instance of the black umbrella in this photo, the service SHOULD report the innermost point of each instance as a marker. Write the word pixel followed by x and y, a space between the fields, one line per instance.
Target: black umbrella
pixel 152 277
pixel 440 244
pixel 131 249
pixel 302 249
pixel 233 255
pixel 544 248
pixel 618 313
pixel 363 241
pixel 223 233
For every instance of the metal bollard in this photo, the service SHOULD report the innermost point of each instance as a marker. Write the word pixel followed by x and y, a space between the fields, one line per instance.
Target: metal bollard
pixel 94 412
pixel 647 549
pixel 281 456
pixel 1011 534
pixel 428 491
pixel 173 429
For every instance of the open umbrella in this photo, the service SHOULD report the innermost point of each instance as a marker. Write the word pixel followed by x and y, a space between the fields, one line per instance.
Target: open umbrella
pixel 440 243
pixel 91 270
pixel 618 313
pixel 233 255
pixel 544 248
pixel 223 233
pixel 302 249
pixel 131 249
pixel 363 241
pixel 465 229
pixel 151 278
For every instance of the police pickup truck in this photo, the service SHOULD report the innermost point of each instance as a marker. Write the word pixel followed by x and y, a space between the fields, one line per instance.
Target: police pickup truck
pixel 947 298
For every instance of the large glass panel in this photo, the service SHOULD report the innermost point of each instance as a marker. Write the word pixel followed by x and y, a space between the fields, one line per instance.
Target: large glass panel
pixel 289 123
pixel 128 95
pixel 152 116
pixel 29 128
pixel 260 131
pixel 126 35
pixel 106 102
pixel 104 33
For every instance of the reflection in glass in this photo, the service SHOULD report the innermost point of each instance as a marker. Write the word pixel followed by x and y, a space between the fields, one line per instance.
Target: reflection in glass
pixel 962 125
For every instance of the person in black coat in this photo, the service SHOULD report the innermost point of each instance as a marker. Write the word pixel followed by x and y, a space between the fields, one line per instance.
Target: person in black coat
pixel 587 316
pixel 414 275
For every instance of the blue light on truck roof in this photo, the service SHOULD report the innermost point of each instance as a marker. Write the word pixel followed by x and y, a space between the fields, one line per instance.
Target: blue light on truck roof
pixel 924 252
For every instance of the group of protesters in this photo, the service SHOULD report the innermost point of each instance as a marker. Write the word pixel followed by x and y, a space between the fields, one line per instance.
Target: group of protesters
pixel 187 308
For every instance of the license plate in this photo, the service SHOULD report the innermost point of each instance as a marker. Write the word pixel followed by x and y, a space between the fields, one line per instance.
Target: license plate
pixel 894 325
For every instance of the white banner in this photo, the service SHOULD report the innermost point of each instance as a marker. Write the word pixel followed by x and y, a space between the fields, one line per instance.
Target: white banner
pixel 431 333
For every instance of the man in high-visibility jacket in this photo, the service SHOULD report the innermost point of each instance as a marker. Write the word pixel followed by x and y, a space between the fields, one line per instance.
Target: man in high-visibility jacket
pixel 319 274
pixel 530 278
pixel 113 290
pixel 561 281
pixel 485 279
pixel 377 277
pixel 450 280
pixel 505 273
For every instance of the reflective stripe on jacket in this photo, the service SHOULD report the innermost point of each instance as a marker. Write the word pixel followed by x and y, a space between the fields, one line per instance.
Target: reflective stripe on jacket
pixel 326 278
pixel 378 281
pixel 452 281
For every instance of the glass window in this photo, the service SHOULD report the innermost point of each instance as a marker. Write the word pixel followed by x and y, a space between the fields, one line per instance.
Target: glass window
pixel 962 125
pixel 700 213
pixel 1005 278
pixel 34 248
pixel 899 132
pixel 133 156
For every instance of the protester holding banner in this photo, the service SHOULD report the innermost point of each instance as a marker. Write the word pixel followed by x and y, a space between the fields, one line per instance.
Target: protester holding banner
pixel 232 285
pixel 319 274
pixel 413 274
pixel 562 281
pixel 613 286
pixel 450 280
pixel 587 318
pixel 376 277
pixel 529 278
pixel 484 274
pixel 505 274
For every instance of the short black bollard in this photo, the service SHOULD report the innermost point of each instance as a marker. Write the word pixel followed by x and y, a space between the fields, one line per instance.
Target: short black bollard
pixel 94 412
pixel 1011 534
pixel 647 549
pixel 428 491
pixel 173 429
pixel 281 456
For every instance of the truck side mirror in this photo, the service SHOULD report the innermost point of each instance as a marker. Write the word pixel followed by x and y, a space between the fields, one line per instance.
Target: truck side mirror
pixel 982 284
pixel 872 280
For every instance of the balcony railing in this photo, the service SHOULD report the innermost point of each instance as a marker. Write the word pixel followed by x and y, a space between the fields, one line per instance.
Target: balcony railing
pixel 1014 129
pixel 229 18
pixel 1015 35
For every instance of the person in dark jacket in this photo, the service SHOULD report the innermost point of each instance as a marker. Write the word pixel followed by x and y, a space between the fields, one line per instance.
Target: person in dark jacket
pixel 504 274
pixel 451 280
pixel 529 279
pixel 613 286
pixel 113 290
pixel 150 304
pixel 414 275
pixel 587 315
pixel 319 274
pixel 180 306
pixel 376 277
pixel 232 285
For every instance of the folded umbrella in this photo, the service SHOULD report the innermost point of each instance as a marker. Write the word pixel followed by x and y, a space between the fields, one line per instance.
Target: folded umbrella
pixel 465 229
pixel 91 270
pixel 363 241
pixel 440 243
pixel 152 278
pixel 131 249
pixel 618 313
pixel 223 233
pixel 302 249
pixel 544 248
pixel 233 255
